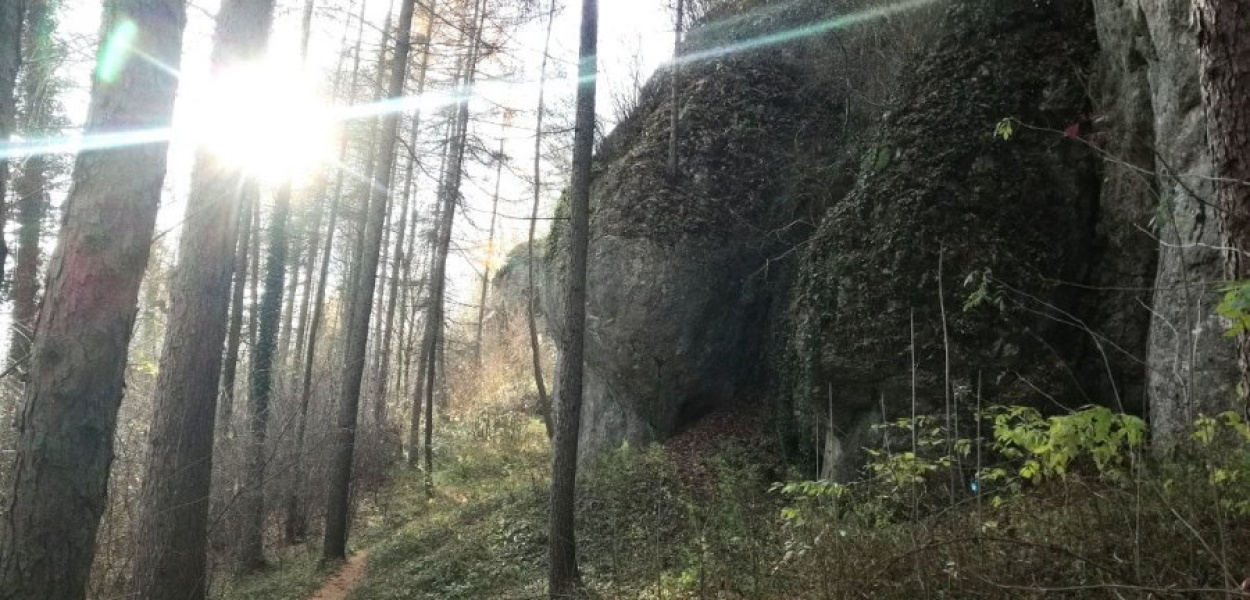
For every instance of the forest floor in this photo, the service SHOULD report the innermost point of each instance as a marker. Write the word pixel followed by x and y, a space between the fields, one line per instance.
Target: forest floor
pixel 702 517
pixel 338 586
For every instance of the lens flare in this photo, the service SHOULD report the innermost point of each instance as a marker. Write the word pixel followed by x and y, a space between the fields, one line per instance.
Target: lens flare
pixel 116 51
pixel 263 118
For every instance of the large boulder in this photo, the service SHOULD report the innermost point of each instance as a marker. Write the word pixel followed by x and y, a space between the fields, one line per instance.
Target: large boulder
pixel 953 259
pixel 679 279
pixel 685 274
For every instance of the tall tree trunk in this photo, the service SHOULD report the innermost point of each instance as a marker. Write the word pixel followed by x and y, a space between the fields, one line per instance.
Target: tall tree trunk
pixel 296 522
pixel 674 160
pixel 251 554
pixel 252 548
pixel 379 309
pixel 408 296
pixel 563 577
pixel 358 327
pixel 11 16
pixel 403 286
pixel 310 265
pixel 234 335
pixel 364 189
pixel 65 439
pixel 427 337
pixel 286 334
pixel 544 401
pixel 384 360
pixel 1224 51
pixel 171 554
pixel 253 280
pixel 31 190
pixel 31 183
pixel 438 271
pixel 490 255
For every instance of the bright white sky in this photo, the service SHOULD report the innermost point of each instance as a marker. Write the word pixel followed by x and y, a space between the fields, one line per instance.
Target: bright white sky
pixel 628 28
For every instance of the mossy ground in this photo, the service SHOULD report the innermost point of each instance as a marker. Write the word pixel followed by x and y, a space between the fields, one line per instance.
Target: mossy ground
pixel 657 524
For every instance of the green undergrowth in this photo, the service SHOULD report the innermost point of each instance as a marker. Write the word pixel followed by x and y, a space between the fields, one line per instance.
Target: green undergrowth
pixel 292 574
pixel 645 529
pixel 480 534
pixel 297 572
pixel 1065 506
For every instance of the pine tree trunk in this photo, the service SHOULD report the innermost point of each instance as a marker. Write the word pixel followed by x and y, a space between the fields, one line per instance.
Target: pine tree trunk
pixel 384 360
pixel 427 337
pixel 253 280
pixel 544 401
pixel 563 577
pixel 287 334
pixel 252 551
pixel 234 336
pixel 296 521
pixel 379 309
pixel 450 194
pixel 358 327
pixel 12 13
pixel 364 190
pixel 171 553
pixel 31 184
pixel 65 438
pixel 1224 51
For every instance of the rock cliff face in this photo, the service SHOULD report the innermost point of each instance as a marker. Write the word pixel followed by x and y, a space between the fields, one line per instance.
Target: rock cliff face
pixel 1020 209
pixel 957 254
pixel 1153 98
pixel 686 273
pixel 679 282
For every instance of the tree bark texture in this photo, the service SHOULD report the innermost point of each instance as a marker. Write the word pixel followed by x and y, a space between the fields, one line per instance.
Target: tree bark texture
pixel 69 414
pixel 171 552
pixel 1224 55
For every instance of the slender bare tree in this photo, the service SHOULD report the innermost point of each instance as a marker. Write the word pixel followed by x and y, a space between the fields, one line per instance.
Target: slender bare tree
pixel 427 336
pixel 674 113
pixel 449 195
pixel 531 304
pixel 563 579
pixel 490 248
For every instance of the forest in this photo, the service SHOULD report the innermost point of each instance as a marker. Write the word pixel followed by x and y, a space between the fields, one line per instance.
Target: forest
pixel 645 299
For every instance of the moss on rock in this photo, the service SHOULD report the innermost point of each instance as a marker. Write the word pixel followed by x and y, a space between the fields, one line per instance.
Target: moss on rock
pixel 1006 217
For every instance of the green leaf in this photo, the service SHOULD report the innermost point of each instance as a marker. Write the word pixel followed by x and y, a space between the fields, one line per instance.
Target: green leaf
pixel 1004 129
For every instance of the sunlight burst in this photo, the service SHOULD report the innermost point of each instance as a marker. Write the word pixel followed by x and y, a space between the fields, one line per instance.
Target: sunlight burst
pixel 264 118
